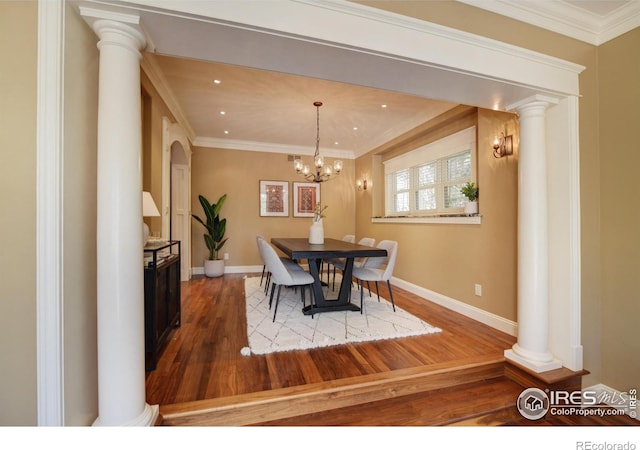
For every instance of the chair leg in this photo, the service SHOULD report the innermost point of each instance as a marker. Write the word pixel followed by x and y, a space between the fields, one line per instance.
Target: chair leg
pixel 275 310
pixel 266 282
pixel 262 276
pixel 273 287
pixel 361 296
pixel 369 288
pixel 391 295
pixel 266 286
pixel 334 278
pixel 377 292
pixel 302 288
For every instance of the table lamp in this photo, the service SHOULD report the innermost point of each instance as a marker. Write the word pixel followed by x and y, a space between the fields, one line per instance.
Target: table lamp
pixel 149 209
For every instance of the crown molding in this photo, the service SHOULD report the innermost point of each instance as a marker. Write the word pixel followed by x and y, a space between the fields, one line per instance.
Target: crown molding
pixel 567 19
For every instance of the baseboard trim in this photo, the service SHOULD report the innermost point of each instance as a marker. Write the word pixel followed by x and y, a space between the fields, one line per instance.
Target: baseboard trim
pixel 229 269
pixel 500 323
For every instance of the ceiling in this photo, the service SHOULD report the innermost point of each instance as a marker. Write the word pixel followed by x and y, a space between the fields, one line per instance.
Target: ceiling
pixel 272 111
pixel 254 109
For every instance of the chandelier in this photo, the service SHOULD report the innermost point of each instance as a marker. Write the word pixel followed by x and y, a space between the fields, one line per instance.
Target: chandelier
pixel 321 172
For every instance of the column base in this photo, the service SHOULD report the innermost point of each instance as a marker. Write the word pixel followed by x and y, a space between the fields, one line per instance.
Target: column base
pixel 531 364
pixel 148 418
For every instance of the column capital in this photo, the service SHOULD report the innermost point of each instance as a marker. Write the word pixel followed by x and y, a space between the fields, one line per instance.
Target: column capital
pixel 116 28
pixel 536 101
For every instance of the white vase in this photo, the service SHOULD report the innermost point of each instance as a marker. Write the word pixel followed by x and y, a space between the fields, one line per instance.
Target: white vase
pixel 316 233
pixel 214 267
pixel 471 208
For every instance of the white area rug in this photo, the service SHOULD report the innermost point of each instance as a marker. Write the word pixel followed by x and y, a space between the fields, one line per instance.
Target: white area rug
pixel 292 330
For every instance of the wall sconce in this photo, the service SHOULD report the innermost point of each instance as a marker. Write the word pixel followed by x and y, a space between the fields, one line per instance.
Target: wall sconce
pixel 503 145
pixel 362 185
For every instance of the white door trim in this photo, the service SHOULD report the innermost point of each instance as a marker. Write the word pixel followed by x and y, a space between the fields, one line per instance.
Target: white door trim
pixel 172 133
pixel 49 211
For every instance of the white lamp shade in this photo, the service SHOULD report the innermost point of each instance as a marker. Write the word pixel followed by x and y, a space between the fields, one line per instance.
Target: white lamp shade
pixel 149 208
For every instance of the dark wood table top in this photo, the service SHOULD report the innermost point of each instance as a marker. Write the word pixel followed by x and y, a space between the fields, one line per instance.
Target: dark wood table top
pixel 299 248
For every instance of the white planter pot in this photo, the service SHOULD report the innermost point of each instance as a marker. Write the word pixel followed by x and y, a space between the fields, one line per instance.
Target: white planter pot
pixel 471 208
pixel 316 233
pixel 214 267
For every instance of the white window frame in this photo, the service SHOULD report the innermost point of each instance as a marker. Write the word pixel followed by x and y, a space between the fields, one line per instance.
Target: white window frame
pixel 439 152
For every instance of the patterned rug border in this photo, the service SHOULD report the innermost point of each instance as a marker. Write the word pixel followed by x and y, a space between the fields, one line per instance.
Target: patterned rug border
pixel 293 330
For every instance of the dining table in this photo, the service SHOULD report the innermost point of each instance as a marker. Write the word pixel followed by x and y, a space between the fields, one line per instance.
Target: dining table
pixel 300 249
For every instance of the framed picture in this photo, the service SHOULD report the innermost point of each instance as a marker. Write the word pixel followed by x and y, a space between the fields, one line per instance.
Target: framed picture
pixel 274 198
pixel 305 197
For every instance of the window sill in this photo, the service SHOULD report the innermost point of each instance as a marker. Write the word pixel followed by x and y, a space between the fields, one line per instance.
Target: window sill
pixel 457 219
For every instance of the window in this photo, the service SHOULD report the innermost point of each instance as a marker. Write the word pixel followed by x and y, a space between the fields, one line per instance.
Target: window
pixel 427 181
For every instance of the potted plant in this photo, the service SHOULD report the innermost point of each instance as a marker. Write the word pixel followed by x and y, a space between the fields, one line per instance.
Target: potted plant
pixel 470 190
pixel 214 235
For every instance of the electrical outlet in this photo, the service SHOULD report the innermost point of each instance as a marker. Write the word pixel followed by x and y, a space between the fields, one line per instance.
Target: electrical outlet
pixel 479 290
pixel 226 256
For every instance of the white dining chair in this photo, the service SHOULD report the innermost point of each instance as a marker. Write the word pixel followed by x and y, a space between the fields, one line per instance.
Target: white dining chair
pixel 289 263
pixel 379 268
pixel 358 262
pixel 284 274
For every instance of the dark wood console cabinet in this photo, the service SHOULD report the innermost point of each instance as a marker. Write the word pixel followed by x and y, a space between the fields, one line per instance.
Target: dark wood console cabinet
pixel 161 296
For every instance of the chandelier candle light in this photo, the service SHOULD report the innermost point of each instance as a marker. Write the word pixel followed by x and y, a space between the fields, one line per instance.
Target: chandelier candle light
pixel 322 172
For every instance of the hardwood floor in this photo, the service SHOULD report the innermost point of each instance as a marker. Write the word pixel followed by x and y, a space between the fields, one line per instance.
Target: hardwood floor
pixel 202 368
pixel 202 359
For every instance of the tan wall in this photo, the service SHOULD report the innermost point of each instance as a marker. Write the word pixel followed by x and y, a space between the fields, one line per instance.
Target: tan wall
pixel 451 259
pixel 80 195
pixel 238 173
pixel 619 71
pixel 18 219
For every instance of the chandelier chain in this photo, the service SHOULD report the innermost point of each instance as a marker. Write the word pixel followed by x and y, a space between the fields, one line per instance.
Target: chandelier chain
pixel 321 173
pixel 317 153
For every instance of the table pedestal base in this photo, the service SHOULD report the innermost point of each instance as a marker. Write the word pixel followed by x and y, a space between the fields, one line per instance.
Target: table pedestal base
pixel 313 309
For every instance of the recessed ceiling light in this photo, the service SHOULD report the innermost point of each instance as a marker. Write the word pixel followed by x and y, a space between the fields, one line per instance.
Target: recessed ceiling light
pixel 217 81
pixel 355 128
pixel 222 113
pixel 336 143
pixel 226 131
pixel 383 106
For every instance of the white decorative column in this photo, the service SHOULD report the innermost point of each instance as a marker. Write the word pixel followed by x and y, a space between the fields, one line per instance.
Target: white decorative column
pixel 532 348
pixel 121 353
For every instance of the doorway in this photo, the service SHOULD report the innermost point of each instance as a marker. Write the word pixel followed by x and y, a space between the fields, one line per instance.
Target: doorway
pixel 176 192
